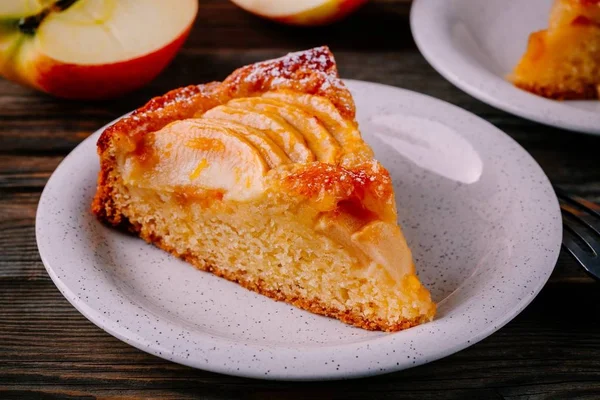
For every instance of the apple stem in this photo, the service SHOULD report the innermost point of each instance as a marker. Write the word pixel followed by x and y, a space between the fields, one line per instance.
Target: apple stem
pixel 28 25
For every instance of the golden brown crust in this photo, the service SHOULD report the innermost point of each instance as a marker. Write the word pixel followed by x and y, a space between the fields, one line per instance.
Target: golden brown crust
pixel 590 92
pixel 103 205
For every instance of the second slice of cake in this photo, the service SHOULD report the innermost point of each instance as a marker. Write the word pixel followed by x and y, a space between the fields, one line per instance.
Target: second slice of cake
pixel 563 61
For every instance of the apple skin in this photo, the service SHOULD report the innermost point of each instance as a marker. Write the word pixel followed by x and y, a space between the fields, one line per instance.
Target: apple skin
pixel 91 82
pixel 328 12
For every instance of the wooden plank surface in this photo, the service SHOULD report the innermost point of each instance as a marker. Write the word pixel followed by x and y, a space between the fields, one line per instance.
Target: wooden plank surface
pixel 48 350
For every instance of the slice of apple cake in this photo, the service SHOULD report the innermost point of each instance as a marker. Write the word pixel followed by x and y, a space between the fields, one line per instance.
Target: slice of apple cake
pixel 264 179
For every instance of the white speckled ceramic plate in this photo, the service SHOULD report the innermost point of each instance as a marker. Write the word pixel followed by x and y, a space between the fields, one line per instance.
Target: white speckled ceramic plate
pixel 475 44
pixel 478 212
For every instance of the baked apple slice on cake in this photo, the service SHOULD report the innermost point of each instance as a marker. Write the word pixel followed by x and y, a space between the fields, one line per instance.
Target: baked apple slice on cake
pixel 263 179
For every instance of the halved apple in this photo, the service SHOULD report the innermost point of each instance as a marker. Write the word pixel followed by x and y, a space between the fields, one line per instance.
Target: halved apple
pixel 90 49
pixel 301 12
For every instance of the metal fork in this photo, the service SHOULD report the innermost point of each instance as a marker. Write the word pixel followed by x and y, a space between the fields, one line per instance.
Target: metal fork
pixel 581 227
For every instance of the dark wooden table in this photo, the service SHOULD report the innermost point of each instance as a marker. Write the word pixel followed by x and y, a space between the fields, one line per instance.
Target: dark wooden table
pixel 49 350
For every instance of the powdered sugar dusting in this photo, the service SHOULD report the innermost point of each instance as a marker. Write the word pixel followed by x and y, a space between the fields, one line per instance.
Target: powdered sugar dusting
pixel 311 71
pixel 317 65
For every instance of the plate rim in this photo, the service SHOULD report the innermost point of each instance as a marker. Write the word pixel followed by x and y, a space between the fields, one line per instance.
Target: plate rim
pixel 291 375
pixel 438 57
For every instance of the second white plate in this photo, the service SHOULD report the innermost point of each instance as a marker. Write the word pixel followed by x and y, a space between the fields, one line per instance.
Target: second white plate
pixel 475 44
pixel 478 212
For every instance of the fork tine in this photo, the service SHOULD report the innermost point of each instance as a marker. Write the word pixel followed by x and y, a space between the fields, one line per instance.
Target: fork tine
pixel 584 219
pixel 587 205
pixel 592 242
pixel 592 220
pixel 590 264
